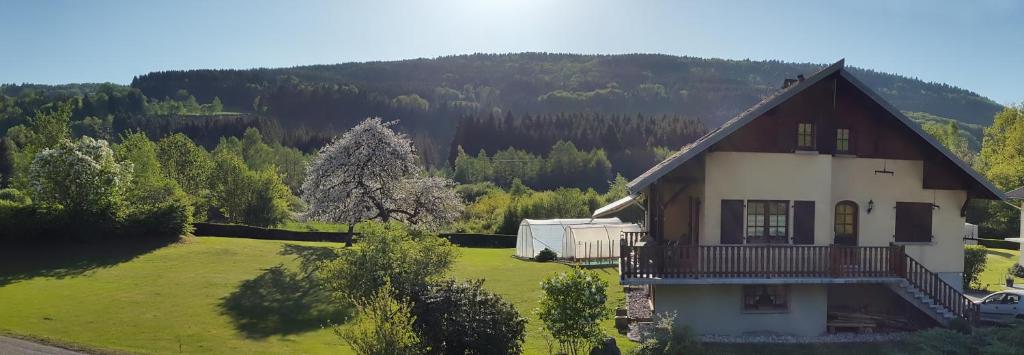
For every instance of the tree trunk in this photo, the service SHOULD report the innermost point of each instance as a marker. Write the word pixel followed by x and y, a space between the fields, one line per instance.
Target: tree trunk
pixel 351 235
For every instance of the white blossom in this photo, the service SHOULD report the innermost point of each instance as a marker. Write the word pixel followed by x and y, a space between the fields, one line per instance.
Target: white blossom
pixel 371 173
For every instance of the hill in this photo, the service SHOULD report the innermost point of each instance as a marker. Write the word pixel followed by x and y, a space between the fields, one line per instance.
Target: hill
pixel 710 90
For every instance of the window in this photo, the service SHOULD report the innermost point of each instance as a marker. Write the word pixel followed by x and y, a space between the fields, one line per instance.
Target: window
pixel 765 298
pixel 913 222
pixel 767 221
pixel 805 136
pixel 842 141
pixel 846 223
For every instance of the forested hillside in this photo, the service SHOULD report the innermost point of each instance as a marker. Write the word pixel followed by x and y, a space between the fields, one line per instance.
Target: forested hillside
pixel 711 90
pixel 624 104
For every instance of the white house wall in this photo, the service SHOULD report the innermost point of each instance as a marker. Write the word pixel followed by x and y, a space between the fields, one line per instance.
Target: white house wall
pixel 718 309
pixel 826 180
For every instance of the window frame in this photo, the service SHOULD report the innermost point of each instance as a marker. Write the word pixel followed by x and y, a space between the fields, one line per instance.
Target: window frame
pixel 766 226
pixel 810 135
pixel 751 293
pixel 847 140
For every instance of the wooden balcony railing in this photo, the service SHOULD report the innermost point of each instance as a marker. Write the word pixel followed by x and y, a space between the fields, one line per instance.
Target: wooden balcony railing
pixel 640 258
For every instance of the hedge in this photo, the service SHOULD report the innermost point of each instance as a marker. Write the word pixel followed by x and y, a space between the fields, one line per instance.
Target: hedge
pixel 481 240
pixel 998 244
pixel 242 231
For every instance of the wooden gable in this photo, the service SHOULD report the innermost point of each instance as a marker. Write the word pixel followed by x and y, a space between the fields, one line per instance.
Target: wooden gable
pixel 834 103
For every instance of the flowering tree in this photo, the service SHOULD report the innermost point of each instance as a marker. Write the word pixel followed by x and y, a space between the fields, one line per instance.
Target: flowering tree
pixel 371 173
pixel 572 308
pixel 80 176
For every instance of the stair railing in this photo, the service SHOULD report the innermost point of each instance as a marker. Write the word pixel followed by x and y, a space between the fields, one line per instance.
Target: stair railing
pixel 939 290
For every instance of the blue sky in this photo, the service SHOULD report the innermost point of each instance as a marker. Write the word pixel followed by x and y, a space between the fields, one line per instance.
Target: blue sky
pixel 977 45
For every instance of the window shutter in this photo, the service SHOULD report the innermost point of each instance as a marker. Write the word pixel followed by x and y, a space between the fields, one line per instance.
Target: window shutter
pixel 732 222
pixel 913 222
pixel 803 222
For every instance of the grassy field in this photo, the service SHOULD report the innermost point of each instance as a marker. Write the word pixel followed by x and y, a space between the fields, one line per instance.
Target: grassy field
pixel 998 261
pixel 177 298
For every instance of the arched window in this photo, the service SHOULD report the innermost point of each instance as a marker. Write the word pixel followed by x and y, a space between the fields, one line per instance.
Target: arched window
pixel 846 222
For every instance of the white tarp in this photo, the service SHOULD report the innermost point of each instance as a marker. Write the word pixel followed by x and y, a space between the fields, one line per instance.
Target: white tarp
pixel 594 241
pixel 536 234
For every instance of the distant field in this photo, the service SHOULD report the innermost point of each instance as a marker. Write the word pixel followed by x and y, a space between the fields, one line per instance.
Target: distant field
pixel 999 260
pixel 172 299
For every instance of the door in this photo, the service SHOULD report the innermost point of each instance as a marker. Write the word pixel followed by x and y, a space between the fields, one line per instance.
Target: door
pixel 845 220
pixel 846 223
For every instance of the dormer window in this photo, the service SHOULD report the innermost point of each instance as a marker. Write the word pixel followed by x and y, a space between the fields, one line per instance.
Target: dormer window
pixel 805 136
pixel 843 141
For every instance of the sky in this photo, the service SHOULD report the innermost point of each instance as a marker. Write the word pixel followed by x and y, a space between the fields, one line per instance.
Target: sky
pixel 976 45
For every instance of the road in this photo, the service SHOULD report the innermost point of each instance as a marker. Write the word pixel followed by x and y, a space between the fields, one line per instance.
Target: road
pixel 13 346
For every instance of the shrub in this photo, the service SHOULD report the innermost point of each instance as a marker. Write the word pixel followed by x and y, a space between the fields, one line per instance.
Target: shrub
pixel 1016 270
pixel 667 339
pixel 572 307
pixel 14 196
pixel 546 255
pixel 384 326
pixel 388 254
pixel 974 263
pixel 940 341
pixel 80 176
pixel 463 318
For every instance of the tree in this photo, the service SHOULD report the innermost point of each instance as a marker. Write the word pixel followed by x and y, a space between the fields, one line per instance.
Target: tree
pixel 384 326
pixel 370 173
pixel 572 308
pixel 388 254
pixel 244 196
pixel 189 165
pixel 1002 162
pixel 216 106
pixel 47 129
pixel 81 176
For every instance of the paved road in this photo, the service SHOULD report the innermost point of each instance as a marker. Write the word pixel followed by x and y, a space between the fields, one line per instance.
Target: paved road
pixel 12 346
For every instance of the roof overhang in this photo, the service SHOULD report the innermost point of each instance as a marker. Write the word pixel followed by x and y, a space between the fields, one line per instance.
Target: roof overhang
pixel 616 206
pixel 704 143
pixel 1017 194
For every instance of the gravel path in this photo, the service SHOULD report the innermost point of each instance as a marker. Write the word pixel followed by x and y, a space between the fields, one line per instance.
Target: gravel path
pixel 13 346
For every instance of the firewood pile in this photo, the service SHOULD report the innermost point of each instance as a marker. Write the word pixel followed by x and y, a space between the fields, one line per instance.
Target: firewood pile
pixel 879 320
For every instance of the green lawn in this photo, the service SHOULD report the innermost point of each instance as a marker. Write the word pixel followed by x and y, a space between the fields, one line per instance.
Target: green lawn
pixel 176 298
pixel 994 276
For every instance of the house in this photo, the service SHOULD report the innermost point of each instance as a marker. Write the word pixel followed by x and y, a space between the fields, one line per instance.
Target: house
pixel 821 197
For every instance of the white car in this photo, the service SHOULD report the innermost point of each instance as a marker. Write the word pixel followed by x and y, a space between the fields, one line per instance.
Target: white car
pixel 1002 307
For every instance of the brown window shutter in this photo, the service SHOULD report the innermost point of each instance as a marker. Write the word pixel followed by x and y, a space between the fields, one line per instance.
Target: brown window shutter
pixel 803 222
pixel 913 222
pixel 732 222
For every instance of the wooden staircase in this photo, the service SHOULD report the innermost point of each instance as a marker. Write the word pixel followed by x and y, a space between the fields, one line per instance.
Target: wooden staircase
pixel 932 295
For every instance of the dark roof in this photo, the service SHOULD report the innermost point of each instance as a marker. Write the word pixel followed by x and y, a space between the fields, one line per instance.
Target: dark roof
pixel 703 143
pixel 1017 194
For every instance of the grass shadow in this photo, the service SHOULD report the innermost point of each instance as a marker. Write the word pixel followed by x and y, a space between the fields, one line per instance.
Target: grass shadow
pixel 999 253
pixel 281 301
pixel 65 259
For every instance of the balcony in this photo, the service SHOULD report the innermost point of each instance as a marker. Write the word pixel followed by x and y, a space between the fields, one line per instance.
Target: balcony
pixel 645 261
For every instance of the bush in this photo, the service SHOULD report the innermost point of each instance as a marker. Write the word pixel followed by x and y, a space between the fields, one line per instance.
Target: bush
pixel 667 339
pixel 572 308
pixel 384 326
pixel 463 318
pixel 546 255
pixel 974 263
pixel 15 196
pixel 940 341
pixel 389 254
pixel 998 244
